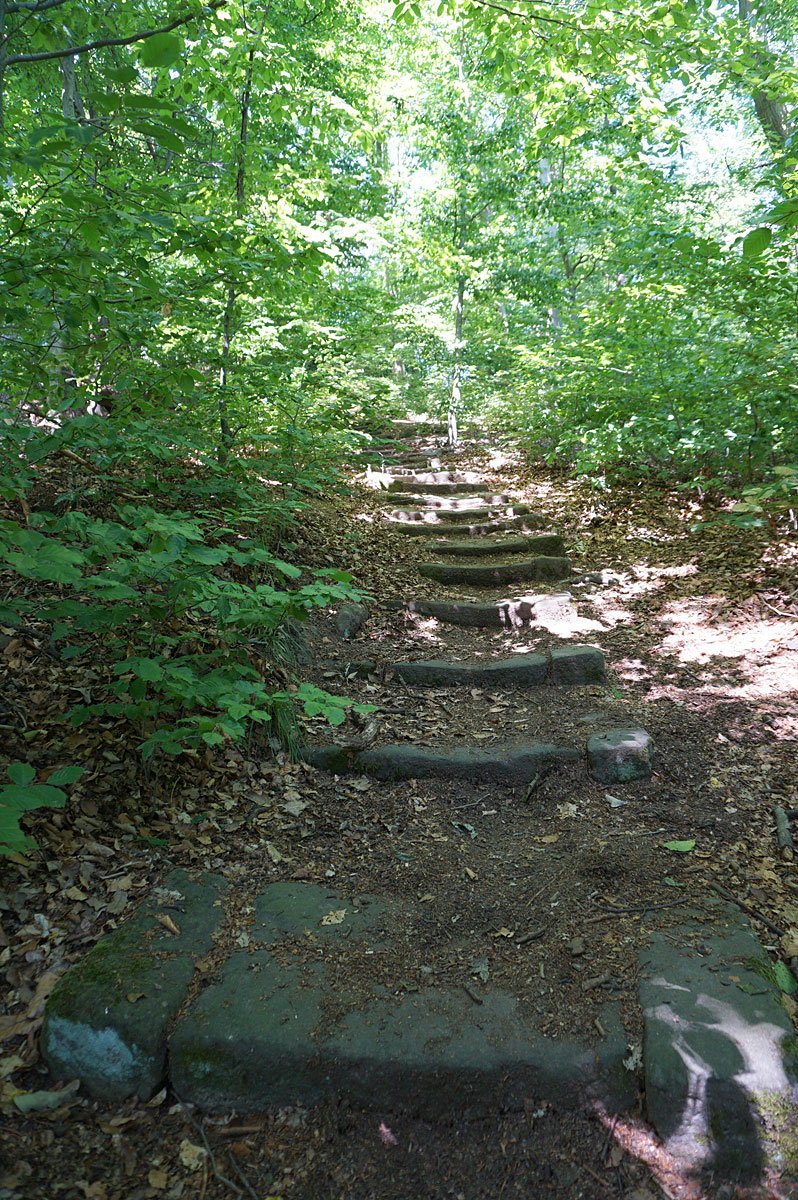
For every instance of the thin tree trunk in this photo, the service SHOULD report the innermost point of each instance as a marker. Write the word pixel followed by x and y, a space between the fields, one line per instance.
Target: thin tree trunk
pixel 772 113
pixel 225 430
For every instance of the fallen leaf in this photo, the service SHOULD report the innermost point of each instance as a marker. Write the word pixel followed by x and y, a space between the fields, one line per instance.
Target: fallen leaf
pixel 157 1179
pixel 335 917
pixel 295 807
pixel 42 1101
pixel 192 1156
pixel 118 903
pixel 167 922
pixel 10 1064
pixel 680 847
pixel 634 1058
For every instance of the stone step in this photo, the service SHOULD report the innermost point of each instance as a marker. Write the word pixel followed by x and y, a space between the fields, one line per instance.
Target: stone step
pixel 414 481
pixel 430 529
pixel 483 575
pixel 502 614
pixel 563 665
pixel 445 488
pixel 399 469
pixel 415 429
pixel 92 1031
pixel 262 1034
pixel 719 1051
pixel 541 543
pixel 454 503
pixel 277 1024
pixel 515 763
pixel 432 520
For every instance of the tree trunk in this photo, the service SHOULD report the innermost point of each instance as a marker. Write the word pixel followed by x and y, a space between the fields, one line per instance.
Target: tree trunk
pixel 772 113
pixel 225 430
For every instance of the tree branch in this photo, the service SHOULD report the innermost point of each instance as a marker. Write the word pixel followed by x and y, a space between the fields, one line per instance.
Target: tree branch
pixel 32 9
pixel 46 55
pixel 530 16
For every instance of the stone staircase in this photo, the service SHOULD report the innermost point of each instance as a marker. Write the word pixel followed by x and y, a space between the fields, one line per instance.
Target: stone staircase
pixel 288 1004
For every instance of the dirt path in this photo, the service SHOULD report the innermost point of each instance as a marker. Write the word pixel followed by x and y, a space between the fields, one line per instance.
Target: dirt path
pixel 472 947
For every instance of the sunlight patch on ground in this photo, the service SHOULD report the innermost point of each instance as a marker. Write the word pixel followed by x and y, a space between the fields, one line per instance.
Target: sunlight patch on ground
pixel 694 636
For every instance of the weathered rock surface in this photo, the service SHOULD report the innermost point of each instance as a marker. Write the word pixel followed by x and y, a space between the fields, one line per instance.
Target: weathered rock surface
pixel 350 619
pixel 438 528
pixel 503 614
pixel 422 484
pixel 510 763
pixel 718 1050
pixel 107 1020
pixel 565 665
pixel 542 543
pixel 541 568
pixel 441 520
pixel 453 503
pixel 277 1030
pixel 620 755
pixel 577 664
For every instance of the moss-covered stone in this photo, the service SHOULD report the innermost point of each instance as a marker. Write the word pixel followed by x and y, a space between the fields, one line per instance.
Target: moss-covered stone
pixel 107 1020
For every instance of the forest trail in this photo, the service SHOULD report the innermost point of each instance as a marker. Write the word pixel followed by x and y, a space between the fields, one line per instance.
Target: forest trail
pixel 507 930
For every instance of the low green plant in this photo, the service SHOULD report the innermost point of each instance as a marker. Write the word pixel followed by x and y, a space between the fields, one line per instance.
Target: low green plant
pixel 22 795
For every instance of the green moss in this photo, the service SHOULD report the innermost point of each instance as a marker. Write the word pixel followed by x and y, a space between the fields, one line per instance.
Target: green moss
pixel 779 1112
pixel 114 966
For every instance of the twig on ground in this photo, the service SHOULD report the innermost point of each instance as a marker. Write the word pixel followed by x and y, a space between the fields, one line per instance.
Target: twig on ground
pixel 783 832
pixel 748 908
pixel 610 910
pixel 779 611
pixel 211 1156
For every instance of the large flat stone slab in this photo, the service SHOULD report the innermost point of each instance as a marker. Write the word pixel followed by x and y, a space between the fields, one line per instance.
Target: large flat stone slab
pixel 564 665
pixel 514 763
pixel 542 543
pixel 540 568
pixel 437 528
pixel 107 1020
pixel 472 503
pixel 282 1026
pixel 425 480
pixel 502 614
pixel 718 1051
pixel 415 429
pixel 442 522
pixel 435 489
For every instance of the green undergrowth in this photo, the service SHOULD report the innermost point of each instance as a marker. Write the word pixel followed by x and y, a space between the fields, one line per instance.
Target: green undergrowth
pixel 162 584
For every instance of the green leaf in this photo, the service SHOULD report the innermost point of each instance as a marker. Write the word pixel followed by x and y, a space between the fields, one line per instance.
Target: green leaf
pixel 757 241
pixel 160 50
pixel 21 773
pixel 147 668
pixel 35 795
pixel 680 847
pixel 65 775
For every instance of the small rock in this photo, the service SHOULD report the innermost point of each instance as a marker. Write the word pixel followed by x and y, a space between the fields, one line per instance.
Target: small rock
pixel 577 946
pixel 620 755
pixel 350 619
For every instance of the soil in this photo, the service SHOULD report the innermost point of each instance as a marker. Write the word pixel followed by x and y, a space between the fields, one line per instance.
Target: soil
pixel 550 888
